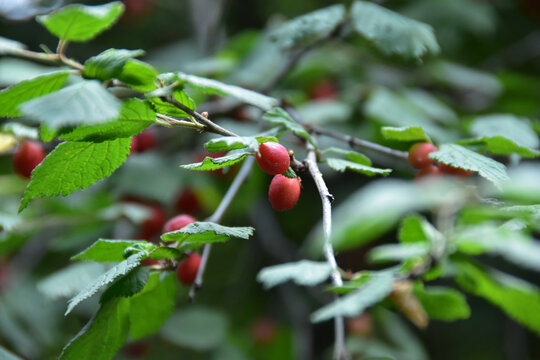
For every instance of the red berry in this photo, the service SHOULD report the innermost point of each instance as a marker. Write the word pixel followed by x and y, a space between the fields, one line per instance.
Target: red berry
pixel 188 202
pixel 27 157
pixel 361 325
pixel 450 170
pixel 431 170
pixel 136 349
pixel 284 192
pixel 137 9
pixel 324 89
pixel 418 155
pixel 143 141
pixel 178 222
pixel 187 270
pixel 273 158
pixel 263 330
pixel 152 225
pixel 134 145
pixel 149 262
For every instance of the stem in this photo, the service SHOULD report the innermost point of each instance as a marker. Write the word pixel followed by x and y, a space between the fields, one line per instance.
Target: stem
pixel 340 351
pixel 54 58
pixel 169 120
pixel 216 217
pixel 208 124
pixel 353 141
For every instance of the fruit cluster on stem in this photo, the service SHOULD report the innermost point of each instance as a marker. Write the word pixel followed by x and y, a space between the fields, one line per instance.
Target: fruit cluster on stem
pixel 274 159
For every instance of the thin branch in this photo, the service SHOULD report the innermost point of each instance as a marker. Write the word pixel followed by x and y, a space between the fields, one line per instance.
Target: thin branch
pixel 169 121
pixel 353 141
pixel 340 351
pixel 208 124
pixel 216 217
pixel 53 58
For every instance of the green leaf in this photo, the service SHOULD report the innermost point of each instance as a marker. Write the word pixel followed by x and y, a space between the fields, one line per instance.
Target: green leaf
pixel 81 103
pixel 135 116
pixel 461 77
pixel 81 23
pixel 17 94
pixel 105 250
pixel 4 353
pixel 126 286
pixel 460 157
pixel 517 298
pixel 393 33
pixel 211 86
pixel 405 133
pixel 75 165
pixel 211 164
pixel 306 273
pixel 308 28
pixel 112 274
pixel 416 229
pixel 8 46
pixel 151 308
pixel 514 246
pixel 342 165
pixel 432 106
pixel 280 117
pixel 197 327
pixel 163 107
pixel 505 134
pixel 350 155
pixel 103 335
pixel 20 130
pixel 201 232
pixel 138 75
pixel 397 252
pixel 109 64
pixel 391 108
pixel 371 292
pixel 442 303
pixel 228 143
pixel 68 281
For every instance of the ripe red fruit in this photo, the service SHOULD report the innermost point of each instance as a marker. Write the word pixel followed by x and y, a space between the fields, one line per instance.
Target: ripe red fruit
pixel 143 141
pixel 450 170
pixel 136 349
pixel 324 89
pixel 273 158
pixel 418 155
pixel 137 9
pixel 27 157
pixel 284 192
pixel 152 225
pixel 187 270
pixel 188 202
pixel 263 330
pixel 178 222
pixel 149 262
pixel 431 170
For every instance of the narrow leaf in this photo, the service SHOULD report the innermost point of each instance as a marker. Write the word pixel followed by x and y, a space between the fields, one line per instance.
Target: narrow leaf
pixel 126 286
pixel 342 165
pixel 205 232
pixel 406 133
pixel 442 303
pixel 350 155
pixel 211 86
pixel 228 143
pixel 108 64
pixel 306 273
pixel 397 252
pixel 211 164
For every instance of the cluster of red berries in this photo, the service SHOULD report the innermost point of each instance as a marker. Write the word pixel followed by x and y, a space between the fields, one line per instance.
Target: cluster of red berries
pixel 273 158
pixel 419 159
pixel 142 142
